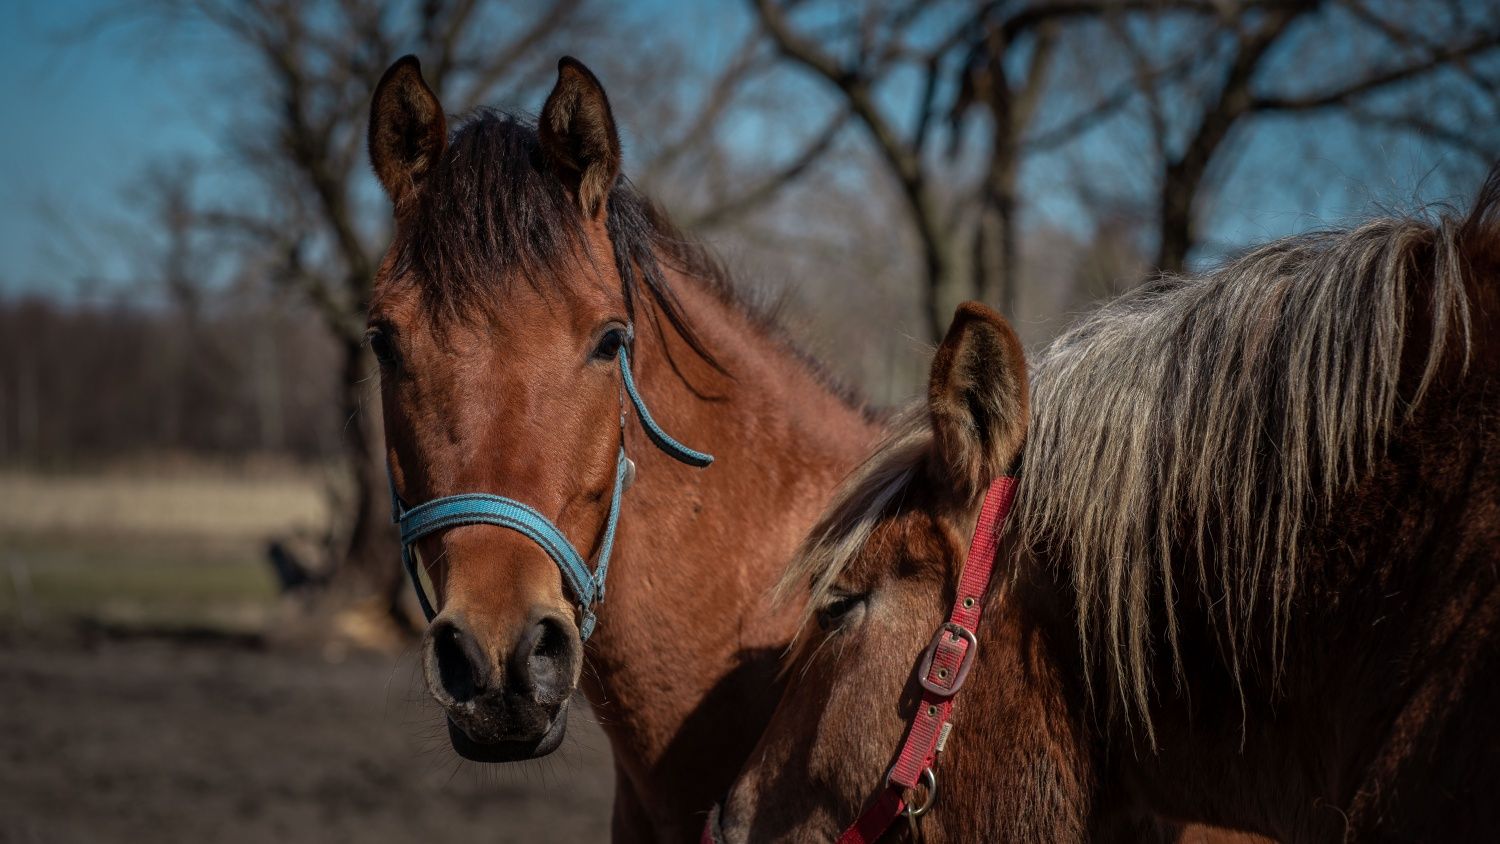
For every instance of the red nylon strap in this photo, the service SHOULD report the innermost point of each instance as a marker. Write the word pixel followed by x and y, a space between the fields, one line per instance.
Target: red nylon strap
pixel 877 819
pixel 944 667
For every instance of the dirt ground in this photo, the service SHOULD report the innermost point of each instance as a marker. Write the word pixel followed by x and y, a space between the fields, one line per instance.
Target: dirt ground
pixel 107 737
pixel 138 704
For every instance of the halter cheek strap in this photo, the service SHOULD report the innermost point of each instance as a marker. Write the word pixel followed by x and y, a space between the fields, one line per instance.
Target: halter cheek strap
pixel 484 508
pixel 941 673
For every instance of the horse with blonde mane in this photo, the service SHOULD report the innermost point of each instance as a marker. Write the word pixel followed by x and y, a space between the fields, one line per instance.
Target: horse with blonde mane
pixel 1248 577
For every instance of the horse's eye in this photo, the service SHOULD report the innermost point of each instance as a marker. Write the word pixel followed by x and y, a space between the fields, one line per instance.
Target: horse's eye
pixel 381 345
pixel 839 609
pixel 609 344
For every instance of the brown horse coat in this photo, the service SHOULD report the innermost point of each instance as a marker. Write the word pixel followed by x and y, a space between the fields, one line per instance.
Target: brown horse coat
pixel 1251 579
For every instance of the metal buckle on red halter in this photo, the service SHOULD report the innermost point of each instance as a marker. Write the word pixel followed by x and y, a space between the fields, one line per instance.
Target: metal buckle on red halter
pixel 944 667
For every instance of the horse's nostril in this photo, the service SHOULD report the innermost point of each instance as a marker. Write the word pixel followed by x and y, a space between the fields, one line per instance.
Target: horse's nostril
pixel 547 653
pixel 553 642
pixel 460 665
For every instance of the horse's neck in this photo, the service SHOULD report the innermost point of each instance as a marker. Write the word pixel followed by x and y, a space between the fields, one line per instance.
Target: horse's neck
pixel 1379 712
pixel 682 670
pixel 1020 764
pixel 1029 757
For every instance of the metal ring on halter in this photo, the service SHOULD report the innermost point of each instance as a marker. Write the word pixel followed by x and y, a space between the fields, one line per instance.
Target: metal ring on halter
pixel 930 780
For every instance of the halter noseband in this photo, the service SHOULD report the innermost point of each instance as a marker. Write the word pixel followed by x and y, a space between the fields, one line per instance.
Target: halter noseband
pixel 472 508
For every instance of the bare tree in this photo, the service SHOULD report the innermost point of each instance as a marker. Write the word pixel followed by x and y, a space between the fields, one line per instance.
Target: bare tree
pixel 988 59
pixel 877 49
pixel 1194 73
pixel 1206 79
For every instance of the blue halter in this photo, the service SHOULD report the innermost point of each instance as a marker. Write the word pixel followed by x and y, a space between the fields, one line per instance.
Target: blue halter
pixel 482 508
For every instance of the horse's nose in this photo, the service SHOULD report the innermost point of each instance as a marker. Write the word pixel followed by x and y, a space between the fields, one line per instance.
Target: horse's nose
pixel 541 666
pixel 505 692
pixel 538 670
pixel 457 668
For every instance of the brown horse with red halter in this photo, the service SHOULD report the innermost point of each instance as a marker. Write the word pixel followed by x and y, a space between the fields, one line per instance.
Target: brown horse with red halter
pixel 526 284
pixel 1249 578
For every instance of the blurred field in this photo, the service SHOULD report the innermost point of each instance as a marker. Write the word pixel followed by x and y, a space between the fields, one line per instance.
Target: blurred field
pixel 181 545
pixel 179 499
pixel 141 702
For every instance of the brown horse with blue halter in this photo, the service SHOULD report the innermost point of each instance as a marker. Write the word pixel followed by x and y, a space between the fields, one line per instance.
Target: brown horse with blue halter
pixel 531 303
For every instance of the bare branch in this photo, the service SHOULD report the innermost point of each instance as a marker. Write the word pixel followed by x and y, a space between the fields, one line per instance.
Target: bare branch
pixel 1183 175
pixel 1375 81
pixel 1034 16
pixel 768 188
pixel 1461 141
pixel 719 98
pixel 501 62
pixel 903 160
pixel 852 84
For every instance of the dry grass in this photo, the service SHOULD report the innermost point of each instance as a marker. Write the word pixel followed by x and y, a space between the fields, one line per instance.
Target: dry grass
pixel 208 503
pixel 167 544
pixel 156 583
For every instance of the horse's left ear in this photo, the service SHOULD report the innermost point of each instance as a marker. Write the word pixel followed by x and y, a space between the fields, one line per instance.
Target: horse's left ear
pixel 408 132
pixel 978 399
pixel 578 133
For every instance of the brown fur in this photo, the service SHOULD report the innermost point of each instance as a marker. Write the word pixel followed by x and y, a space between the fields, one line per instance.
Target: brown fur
pixel 408 131
pixel 496 288
pixel 978 428
pixel 577 130
pixel 1311 436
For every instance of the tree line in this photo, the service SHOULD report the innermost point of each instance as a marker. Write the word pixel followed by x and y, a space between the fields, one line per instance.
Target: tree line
pixel 870 165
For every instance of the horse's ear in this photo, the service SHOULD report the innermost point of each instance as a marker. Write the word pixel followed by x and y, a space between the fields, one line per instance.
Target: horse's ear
pixel 578 133
pixel 977 399
pixel 408 131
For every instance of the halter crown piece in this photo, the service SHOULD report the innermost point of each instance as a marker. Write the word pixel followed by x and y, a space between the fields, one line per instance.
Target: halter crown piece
pixel 473 508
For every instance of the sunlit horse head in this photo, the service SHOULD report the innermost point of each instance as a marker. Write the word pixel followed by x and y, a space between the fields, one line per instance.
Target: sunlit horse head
pixel 1250 578
pixel 502 317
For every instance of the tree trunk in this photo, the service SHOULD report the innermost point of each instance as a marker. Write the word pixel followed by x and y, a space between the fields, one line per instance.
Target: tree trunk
pixel 932 303
pixel 1182 179
pixel 1177 235
pixel 370 563
pixel 947 288
pixel 996 274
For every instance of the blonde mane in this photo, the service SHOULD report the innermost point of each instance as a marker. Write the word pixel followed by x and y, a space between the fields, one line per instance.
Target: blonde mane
pixel 1205 418
pixel 859 503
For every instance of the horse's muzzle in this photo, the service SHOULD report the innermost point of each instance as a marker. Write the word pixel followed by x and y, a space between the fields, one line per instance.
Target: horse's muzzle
pixel 509 750
pixel 502 710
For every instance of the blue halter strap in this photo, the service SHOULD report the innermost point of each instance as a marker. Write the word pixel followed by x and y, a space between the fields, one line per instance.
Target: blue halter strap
pixel 483 508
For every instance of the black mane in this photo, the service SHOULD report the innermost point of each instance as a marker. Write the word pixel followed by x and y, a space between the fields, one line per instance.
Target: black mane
pixel 494 211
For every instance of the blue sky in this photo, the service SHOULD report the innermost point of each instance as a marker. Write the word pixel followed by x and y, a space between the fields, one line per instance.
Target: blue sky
pixel 87 109
pixel 85 113
pixel 84 116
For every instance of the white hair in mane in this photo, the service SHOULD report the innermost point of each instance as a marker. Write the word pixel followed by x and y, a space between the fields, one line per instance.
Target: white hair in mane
pixel 1209 418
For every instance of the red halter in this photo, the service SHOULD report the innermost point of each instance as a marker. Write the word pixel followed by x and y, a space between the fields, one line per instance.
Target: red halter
pixel 944 667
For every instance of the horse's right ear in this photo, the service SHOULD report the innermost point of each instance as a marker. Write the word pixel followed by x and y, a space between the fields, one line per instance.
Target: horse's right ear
pixel 577 130
pixel 408 131
pixel 978 399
